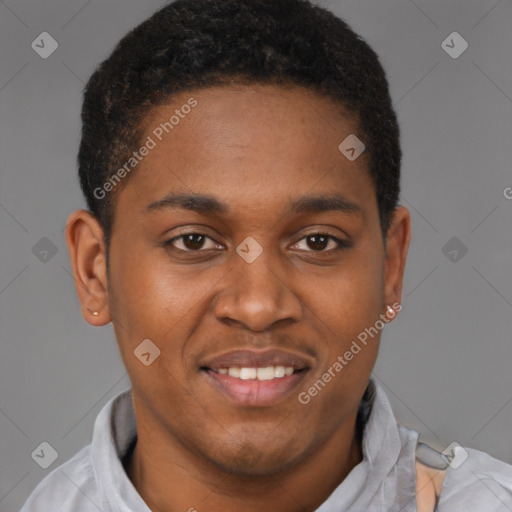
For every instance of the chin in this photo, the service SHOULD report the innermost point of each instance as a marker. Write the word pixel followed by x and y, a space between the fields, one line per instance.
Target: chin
pixel 255 461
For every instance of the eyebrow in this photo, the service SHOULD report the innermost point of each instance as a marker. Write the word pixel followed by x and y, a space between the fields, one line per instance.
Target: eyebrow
pixel 205 204
pixel 325 203
pixel 195 202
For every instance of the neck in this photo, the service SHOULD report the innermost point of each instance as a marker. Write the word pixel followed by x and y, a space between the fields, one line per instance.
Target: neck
pixel 168 477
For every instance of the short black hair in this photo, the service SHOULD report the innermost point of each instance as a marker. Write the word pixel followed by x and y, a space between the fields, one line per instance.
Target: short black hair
pixel 191 44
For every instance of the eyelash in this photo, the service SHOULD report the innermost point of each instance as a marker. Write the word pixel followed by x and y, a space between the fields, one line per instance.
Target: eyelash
pixel 341 244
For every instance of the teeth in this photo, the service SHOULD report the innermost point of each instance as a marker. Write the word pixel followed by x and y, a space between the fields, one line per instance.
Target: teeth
pixel 279 371
pixel 248 373
pixel 266 373
pixel 234 372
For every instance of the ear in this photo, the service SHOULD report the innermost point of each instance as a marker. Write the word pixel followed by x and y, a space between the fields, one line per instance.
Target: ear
pixel 85 239
pixel 398 239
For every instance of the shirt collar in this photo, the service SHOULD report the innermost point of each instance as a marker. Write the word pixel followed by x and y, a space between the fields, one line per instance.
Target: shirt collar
pixel 375 483
pixel 115 432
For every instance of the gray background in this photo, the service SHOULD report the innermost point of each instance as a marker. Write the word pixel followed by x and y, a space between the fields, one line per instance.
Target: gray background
pixel 445 362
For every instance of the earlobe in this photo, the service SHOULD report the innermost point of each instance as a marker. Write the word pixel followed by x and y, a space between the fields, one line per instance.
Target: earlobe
pixel 398 239
pixel 85 239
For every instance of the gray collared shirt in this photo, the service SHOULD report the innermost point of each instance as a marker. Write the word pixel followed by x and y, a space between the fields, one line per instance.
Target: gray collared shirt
pixel 385 480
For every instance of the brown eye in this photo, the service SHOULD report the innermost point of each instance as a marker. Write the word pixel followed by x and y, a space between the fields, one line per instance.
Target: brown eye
pixel 191 242
pixel 194 241
pixel 318 242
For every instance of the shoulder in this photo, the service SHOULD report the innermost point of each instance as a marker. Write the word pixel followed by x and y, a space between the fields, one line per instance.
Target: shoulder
pixel 70 487
pixel 461 479
pixel 476 482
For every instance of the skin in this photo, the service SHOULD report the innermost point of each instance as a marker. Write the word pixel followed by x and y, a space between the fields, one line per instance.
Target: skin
pixel 256 148
pixel 429 482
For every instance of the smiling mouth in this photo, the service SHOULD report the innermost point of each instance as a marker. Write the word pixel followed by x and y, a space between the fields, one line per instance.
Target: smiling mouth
pixel 261 374
pixel 256 378
pixel 255 386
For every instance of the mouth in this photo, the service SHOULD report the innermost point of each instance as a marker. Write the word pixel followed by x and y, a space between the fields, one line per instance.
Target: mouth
pixel 256 379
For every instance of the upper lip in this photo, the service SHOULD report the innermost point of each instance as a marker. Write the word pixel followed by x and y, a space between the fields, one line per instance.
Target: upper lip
pixel 253 359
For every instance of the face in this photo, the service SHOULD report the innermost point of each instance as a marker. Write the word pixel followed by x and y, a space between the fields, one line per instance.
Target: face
pixel 248 249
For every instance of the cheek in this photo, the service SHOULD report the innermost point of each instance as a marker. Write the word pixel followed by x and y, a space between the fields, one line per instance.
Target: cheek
pixel 149 295
pixel 345 312
pixel 151 300
pixel 345 308
pixel 349 298
pixel 150 303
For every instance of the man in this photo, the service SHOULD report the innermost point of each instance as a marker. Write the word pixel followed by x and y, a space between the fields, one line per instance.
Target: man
pixel 241 163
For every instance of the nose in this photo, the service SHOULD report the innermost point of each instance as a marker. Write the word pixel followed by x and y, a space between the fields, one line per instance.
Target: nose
pixel 255 296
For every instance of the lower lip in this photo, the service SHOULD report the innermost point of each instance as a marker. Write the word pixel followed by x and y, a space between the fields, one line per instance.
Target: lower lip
pixel 253 392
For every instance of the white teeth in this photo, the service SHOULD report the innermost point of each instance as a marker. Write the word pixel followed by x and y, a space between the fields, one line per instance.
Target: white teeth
pixel 265 373
pixel 248 373
pixel 279 371
pixel 234 372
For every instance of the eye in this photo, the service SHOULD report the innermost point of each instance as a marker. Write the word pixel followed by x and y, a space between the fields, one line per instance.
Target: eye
pixel 318 242
pixel 192 242
pixel 314 242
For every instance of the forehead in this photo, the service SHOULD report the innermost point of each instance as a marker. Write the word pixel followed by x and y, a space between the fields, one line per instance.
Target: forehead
pixel 262 141
pixel 238 115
